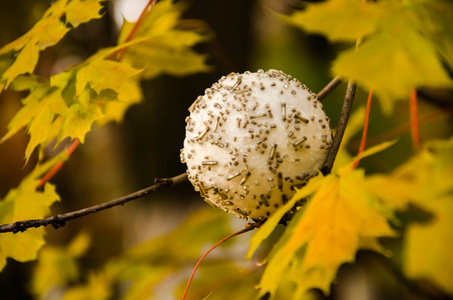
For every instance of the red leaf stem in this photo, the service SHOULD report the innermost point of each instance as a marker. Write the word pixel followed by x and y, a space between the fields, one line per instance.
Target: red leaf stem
pixel 365 128
pixel 246 229
pixel 415 133
pixel 59 164
pixel 118 55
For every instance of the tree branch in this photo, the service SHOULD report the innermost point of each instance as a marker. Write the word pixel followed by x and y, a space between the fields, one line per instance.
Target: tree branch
pixel 328 88
pixel 60 219
pixel 342 123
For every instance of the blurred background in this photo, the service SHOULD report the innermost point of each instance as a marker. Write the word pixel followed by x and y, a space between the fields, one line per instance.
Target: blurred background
pixel 118 159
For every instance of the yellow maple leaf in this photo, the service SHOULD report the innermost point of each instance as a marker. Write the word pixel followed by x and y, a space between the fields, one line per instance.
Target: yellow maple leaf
pixel 57 265
pixel 165 45
pixel 359 18
pixel 339 215
pixel 68 105
pixel 424 181
pixel 24 203
pixel 402 59
pixel 428 247
pixel 102 74
pixel 47 32
pixel 420 181
pixel 403 40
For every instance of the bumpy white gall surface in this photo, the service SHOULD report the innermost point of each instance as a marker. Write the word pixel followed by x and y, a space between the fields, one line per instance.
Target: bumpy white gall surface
pixel 252 139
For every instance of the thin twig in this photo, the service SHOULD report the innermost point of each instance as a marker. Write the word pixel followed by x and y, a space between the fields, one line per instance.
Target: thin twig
pixel 342 123
pixel 54 170
pixel 248 227
pixel 365 129
pixel 329 88
pixel 118 55
pixel 415 131
pixel 59 220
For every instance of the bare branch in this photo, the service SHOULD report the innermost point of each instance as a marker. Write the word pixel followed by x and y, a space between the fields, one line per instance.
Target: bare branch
pixel 329 88
pixel 342 123
pixel 60 220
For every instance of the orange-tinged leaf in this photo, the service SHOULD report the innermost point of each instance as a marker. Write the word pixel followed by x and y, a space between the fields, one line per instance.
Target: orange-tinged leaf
pixel 340 215
pixel 266 229
pixel 23 203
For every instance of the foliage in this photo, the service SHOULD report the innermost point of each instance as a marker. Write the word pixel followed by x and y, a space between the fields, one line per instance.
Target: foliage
pixel 142 268
pixel 402 45
pixel 23 203
pixel 69 103
pixel 21 56
pixel 408 49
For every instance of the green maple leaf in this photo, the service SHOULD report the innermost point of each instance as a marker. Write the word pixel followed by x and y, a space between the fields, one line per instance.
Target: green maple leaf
pixel 22 54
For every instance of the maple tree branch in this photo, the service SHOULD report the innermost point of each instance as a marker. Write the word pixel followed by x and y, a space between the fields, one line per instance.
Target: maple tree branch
pixel 60 219
pixel 365 129
pixel 342 123
pixel 328 88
